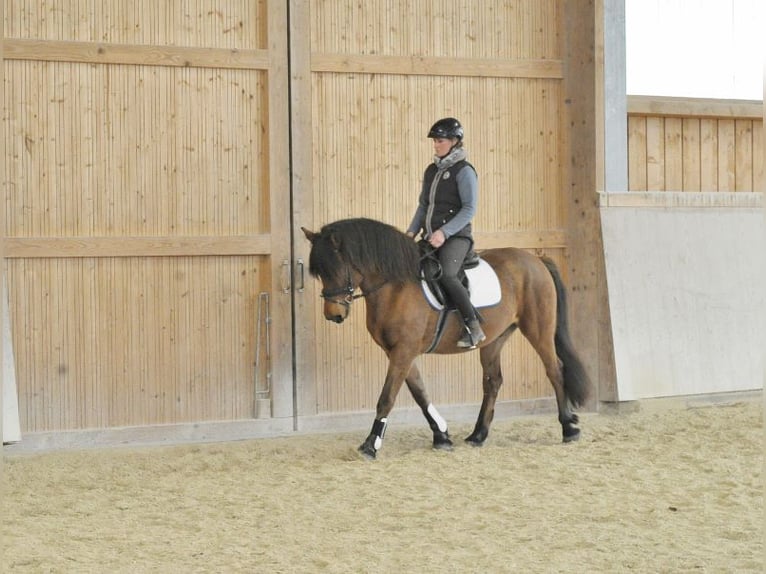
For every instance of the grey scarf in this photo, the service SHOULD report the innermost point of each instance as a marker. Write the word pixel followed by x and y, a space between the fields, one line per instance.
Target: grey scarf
pixel 457 154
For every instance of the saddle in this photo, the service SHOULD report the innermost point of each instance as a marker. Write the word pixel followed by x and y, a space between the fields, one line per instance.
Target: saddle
pixel 431 272
pixel 476 275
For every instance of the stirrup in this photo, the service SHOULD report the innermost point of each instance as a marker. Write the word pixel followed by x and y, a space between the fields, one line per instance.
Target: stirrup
pixel 472 337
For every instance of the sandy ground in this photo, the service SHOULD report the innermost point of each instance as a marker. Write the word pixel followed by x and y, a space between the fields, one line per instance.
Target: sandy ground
pixel 670 491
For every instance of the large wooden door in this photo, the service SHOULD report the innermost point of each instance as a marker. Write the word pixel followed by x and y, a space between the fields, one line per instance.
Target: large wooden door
pixel 147 210
pixel 368 81
pixel 161 159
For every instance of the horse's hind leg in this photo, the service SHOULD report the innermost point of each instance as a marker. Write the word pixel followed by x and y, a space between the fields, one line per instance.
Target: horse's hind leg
pixel 435 420
pixel 492 380
pixel 542 340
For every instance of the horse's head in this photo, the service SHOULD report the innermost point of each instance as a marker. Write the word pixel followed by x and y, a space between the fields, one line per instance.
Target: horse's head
pixel 339 280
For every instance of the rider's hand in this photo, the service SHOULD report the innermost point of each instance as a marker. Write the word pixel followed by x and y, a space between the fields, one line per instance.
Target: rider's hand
pixel 437 239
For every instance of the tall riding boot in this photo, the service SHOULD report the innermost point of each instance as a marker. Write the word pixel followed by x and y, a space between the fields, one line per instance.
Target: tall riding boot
pixel 473 335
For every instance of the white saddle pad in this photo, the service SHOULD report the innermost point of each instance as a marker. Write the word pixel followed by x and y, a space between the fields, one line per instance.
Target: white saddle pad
pixel 483 286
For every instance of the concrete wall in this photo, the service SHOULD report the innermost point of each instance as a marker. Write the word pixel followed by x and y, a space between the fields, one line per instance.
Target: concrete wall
pixel 686 291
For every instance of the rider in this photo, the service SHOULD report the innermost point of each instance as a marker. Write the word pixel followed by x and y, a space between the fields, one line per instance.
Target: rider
pixel 445 209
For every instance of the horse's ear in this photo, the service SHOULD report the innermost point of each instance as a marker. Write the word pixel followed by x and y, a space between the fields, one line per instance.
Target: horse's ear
pixel 310 235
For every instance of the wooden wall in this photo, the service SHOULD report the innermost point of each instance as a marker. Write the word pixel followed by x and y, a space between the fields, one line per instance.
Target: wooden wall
pixel 679 144
pixel 377 76
pixel 140 168
pixel 162 157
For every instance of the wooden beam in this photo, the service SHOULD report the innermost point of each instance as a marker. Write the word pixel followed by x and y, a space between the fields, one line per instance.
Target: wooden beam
pixel 280 303
pixel 694 107
pixel 418 65
pixel 589 311
pixel 546 239
pixel 144 55
pixel 40 247
pixel 302 154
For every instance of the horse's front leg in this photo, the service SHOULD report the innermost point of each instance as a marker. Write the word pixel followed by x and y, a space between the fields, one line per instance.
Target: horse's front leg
pixel 398 366
pixel 435 420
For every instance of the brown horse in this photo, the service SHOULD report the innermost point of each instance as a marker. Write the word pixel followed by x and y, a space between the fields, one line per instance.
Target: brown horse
pixel 384 264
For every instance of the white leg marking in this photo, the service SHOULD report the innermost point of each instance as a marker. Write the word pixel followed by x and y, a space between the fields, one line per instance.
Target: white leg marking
pixel 379 438
pixel 438 419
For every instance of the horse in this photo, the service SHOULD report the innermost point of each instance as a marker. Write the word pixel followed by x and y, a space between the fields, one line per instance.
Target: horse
pixel 364 258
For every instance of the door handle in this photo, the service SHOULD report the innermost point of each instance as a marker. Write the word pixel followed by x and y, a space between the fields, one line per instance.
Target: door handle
pixel 302 278
pixel 286 276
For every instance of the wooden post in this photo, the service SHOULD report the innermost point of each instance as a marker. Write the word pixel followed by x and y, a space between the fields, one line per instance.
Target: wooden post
pixel 303 204
pixel 589 310
pixel 279 204
pixel 9 403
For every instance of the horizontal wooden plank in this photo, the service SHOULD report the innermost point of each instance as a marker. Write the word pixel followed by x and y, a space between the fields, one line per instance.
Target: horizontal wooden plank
pixel 417 65
pixel 37 247
pixel 545 239
pixel 146 55
pixel 694 107
pixel 676 199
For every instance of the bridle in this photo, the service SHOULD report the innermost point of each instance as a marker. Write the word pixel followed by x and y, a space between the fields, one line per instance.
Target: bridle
pixel 347 294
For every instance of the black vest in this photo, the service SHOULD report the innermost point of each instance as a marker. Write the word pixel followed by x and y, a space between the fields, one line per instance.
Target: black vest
pixel 447 199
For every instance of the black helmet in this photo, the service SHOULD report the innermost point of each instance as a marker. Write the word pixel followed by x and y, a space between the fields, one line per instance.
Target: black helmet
pixel 447 128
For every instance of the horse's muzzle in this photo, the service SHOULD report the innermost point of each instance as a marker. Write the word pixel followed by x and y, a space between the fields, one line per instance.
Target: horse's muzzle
pixel 336 310
pixel 335 313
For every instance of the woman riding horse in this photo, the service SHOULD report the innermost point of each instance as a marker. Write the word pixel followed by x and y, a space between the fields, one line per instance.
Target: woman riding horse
pixel 445 209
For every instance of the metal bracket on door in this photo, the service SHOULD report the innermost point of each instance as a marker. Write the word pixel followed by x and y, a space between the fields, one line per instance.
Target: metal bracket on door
pixel 262 392
pixel 302 279
pixel 286 276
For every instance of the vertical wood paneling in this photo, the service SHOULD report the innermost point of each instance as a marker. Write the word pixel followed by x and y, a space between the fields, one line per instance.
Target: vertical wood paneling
pixel 655 154
pixel 115 342
pixel 727 156
pixel 690 154
pixel 708 153
pixel 699 152
pixel 208 23
pixel 448 28
pixel 370 150
pixel 637 157
pixel 759 183
pixel 674 174
pixel 117 151
pixel 122 151
pixel 358 176
pixel 743 134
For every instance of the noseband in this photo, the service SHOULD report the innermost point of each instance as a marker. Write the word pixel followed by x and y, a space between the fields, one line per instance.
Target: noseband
pixel 346 292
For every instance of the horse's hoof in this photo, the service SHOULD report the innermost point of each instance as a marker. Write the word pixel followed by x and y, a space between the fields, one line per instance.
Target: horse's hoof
pixel 572 436
pixel 367 451
pixel 474 441
pixel 442 441
pixel 444 445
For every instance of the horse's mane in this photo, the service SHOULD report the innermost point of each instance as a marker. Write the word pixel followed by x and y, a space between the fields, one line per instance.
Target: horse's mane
pixel 367 245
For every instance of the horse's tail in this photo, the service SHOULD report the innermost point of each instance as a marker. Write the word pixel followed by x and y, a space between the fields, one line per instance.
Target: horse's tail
pixel 576 381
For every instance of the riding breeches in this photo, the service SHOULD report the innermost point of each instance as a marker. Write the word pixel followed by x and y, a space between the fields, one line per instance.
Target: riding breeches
pixel 451 256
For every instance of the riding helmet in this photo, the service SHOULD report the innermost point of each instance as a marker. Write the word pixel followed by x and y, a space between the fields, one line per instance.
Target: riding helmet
pixel 447 128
